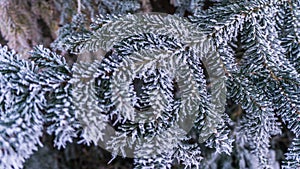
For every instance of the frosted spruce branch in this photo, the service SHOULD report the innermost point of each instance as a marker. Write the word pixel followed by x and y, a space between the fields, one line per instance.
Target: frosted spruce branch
pixel 159 93
pixel 145 75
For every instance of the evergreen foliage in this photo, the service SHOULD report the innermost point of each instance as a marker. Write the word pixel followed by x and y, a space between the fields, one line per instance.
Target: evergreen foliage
pixel 161 92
